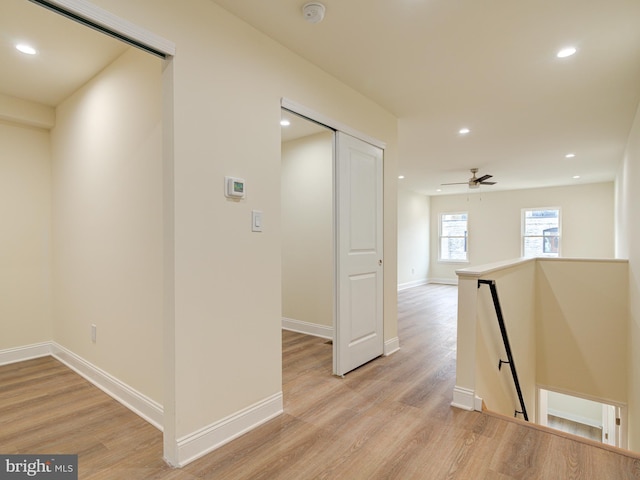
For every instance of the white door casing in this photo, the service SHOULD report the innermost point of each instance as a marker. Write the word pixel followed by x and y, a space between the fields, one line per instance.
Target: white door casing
pixel 359 288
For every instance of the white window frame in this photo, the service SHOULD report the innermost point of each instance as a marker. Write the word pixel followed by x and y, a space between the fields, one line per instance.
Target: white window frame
pixel 440 236
pixel 523 236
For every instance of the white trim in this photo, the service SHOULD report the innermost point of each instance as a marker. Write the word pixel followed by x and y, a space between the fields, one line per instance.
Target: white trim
pixel 28 352
pixel 113 23
pixel 465 399
pixel 135 401
pixel 207 439
pixel 414 283
pixel 391 346
pixel 307 328
pixel 329 122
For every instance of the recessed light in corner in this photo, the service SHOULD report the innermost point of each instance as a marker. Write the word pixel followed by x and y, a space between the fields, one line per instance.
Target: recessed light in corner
pixel 284 122
pixel 463 131
pixel 570 155
pixel 24 48
pixel 566 52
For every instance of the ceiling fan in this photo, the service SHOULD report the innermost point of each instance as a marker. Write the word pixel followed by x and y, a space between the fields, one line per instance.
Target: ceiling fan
pixel 474 182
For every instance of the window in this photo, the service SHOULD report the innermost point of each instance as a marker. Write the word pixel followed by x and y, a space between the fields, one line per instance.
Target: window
pixel 541 232
pixel 453 237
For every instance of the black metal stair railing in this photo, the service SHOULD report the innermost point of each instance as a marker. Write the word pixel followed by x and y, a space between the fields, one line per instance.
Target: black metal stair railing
pixel 507 346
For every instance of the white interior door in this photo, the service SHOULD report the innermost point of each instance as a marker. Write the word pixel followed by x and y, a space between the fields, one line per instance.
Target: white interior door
pixel 359 323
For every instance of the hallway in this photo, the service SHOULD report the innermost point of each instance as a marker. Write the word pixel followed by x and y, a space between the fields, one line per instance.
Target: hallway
pixel 389 419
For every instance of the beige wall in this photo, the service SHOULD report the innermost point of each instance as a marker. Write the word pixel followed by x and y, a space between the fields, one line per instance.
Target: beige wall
pixel 494 223
pixel 413 238
pixel 582 324
pixel 567 325
pixel 628 246
pixel 224 323
pixel 516 292
pixel 107 222
pixel 307 229
pixel 25 242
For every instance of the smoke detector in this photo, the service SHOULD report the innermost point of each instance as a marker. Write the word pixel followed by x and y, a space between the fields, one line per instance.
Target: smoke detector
pixel 313 12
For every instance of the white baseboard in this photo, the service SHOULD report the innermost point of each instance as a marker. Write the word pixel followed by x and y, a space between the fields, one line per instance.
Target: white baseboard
pixel 414 283
pixel 391 346
pixel 466 399
pixel 135 401
pixel 444 281
pixel 207 439
pixel 307 328
pixel 28 352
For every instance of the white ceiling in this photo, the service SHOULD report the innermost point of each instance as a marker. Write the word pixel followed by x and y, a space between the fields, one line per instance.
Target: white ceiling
pixel 438 65
pixel 69 54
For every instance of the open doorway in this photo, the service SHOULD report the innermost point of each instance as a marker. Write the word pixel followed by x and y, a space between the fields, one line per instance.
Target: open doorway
pixel 91 186
pixel 592 419
pixel 307 228
pixel 355 264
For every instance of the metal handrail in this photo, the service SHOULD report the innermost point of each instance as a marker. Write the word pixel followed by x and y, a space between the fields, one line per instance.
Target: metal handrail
pixel 507 346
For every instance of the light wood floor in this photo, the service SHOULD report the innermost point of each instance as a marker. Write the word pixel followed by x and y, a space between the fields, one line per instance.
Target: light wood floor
pixel 390 419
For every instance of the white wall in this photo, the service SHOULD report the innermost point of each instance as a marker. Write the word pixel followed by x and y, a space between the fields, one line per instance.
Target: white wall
pixel 223 320
pixel 628 246
pixel 25 241
pixel 307 229
pixel 494 223
pixel 573 408
pixel 107 222
pixel 413 238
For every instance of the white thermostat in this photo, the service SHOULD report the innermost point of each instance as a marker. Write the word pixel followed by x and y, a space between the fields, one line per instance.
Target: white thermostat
pixel 234 187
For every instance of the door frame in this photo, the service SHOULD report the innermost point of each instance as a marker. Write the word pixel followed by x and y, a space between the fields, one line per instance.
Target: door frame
pixel 336 126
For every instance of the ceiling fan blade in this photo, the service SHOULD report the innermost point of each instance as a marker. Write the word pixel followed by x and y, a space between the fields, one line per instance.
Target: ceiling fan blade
pixel 487 183
pixel 482 178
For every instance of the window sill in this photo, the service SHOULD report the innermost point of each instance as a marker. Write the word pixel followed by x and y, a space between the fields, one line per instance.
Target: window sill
pixel 454 262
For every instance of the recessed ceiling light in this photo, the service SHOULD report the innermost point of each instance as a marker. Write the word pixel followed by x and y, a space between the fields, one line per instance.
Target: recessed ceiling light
pixel 400 177
pixel 575 177
pixel 570 155
pixel 284 122
pixel 463 131
pixel 24 48
pixel 439 190
pixel 566 52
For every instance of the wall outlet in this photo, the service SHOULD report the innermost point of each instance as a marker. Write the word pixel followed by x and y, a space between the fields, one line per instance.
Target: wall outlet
pixel 93 332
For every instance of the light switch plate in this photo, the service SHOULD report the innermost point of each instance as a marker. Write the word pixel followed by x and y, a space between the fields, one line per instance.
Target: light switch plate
pixel 256 221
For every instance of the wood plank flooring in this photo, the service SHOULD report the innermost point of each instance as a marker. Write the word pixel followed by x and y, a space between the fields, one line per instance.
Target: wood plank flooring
pixel 390 419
